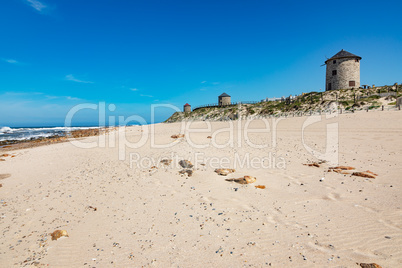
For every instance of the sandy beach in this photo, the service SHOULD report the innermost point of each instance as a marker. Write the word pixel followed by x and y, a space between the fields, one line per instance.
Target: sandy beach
pixel 122 207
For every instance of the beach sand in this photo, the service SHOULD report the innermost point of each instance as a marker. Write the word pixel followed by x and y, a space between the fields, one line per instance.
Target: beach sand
pixel 144 216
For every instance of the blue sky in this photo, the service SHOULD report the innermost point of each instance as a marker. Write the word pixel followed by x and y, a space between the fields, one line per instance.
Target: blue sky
pixel 57 54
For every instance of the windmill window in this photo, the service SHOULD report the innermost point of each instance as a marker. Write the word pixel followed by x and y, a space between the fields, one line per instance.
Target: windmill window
pixel 334 72
pixel 352 83
pixel 334 62
pixel 357 60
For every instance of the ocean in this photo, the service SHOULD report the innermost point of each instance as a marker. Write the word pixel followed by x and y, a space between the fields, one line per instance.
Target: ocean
pixel 30 133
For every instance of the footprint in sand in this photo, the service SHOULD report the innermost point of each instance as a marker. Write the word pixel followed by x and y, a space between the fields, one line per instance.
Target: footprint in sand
pixel 333 197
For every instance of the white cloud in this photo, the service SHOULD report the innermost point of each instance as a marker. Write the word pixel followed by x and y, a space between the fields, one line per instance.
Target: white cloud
pixel 72 98
pixel 11 61
pixel 203 82
pixel 149 96
pixel 37 5
pixel 134 89
pixel 70 77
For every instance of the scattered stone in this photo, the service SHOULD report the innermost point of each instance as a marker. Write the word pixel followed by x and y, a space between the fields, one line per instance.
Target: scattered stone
pixel 244 180
pixel 224 171
pixel 189 172
pixel 59 233
pixel 131 256
pixel 209 137
pixel 260 186
pixel 166 162
pixel 370 265
pixel 177 136
pixel 185 164
pixel 93 208
pixel 363 174
pixel 220 250
pixel 322 179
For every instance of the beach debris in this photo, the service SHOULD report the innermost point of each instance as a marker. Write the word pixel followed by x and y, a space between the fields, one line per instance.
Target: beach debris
pixel 209 137
pixel 189 172
pixel 260 186
pixel 340 171
pixel 4 176
pixel 4 155
pixel 177 136
pixel 152 170
pixel 59 233
pixel 93 208
pixel 166 162
pixel 363 174
pixel 1 159
pixel 369 265
pixel 185 164
pixel 314 164
pixel 1 185
pixel 244 180
pixel 224 171
pixel 370 172
pixel 342 168
pixel 322 179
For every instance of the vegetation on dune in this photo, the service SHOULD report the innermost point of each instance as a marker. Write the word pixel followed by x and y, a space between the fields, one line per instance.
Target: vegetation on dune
pixel 345 99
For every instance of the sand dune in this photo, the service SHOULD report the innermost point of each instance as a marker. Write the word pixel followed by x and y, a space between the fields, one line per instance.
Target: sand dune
pixel 154 216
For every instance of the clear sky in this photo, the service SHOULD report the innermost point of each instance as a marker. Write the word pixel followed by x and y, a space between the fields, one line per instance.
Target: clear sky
pixel 55 54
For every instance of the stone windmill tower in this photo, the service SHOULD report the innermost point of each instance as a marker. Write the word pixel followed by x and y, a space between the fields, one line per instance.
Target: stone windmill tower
pixel 224 99
pixel 343 71
pixel 187 108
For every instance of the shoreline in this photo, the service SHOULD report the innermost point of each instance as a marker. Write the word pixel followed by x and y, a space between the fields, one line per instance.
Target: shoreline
pixel 10 145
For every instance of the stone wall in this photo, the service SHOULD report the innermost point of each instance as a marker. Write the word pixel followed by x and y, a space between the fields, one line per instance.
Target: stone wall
pixel 187 109
pixel 347 69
